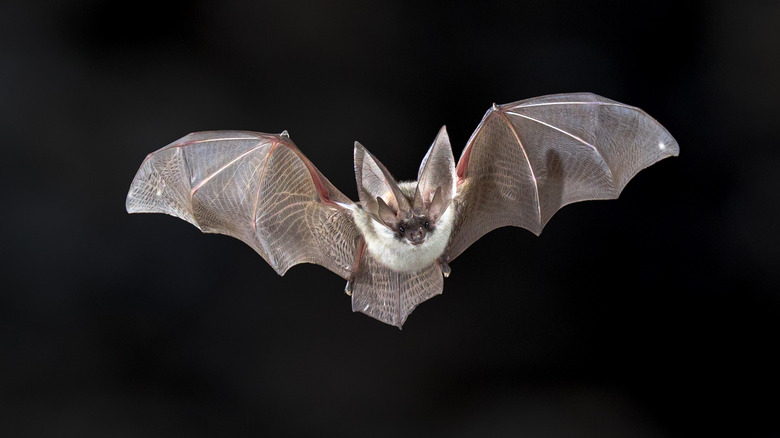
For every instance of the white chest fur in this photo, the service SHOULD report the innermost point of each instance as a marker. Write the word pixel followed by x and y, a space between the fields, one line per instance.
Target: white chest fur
pixel 400 255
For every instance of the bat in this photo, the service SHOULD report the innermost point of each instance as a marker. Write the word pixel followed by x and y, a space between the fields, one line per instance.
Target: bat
pixel 524 161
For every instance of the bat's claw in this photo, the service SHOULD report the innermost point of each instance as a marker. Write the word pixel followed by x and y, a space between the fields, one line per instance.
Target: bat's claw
pixel 348 288
pixel 445 268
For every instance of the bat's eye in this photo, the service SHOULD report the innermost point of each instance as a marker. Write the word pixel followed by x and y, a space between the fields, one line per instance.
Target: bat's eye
pixel 426 224
pixel 401 228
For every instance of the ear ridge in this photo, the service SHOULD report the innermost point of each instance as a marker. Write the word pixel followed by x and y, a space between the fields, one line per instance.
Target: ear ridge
pixel 418 205
pixel 437 170
pixel 438 205
pixel 373 180
pixel 386 214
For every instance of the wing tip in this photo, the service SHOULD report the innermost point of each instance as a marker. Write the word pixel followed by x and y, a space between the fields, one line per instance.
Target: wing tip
pixel 383 317
pixel 359 148
pixel 668 148
pixel 132 204
pixel 129 202
pixel 131 208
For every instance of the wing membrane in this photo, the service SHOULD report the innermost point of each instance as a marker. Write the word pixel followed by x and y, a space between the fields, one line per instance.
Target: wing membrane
pixel 528 159
pixel 390 296
pixel 256 187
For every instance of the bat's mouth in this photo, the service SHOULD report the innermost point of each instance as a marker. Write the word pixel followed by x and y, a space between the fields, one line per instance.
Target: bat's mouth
pixel 417 242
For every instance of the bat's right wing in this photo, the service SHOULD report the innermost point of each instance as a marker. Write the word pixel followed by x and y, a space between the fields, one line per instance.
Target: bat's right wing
pixel 528 159
pixel 256 187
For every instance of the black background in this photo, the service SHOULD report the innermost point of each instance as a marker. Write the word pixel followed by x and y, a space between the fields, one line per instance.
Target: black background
pixel 653 315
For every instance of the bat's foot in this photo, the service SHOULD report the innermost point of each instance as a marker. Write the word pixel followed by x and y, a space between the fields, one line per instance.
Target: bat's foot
pixel 445 268
pixel 348 288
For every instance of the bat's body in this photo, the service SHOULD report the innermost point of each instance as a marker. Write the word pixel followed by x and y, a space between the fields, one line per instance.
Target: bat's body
pixel 524 162
pixel 400 254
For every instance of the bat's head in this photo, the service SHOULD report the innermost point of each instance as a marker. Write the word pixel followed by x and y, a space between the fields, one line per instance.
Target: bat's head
pixel 412 209
pixel 413 229
pixel 414 224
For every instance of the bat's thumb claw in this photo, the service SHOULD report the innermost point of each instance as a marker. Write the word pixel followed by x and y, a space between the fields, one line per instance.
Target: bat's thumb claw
pixel 348 288
pixel 445 268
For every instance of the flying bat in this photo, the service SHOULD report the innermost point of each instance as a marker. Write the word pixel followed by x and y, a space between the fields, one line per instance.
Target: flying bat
pixel 524 161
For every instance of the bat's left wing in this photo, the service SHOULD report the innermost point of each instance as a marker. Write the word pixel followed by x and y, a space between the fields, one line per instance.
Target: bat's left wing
pixel 528 159
pixel 256 187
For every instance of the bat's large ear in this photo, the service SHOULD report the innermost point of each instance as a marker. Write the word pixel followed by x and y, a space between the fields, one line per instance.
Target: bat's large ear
pixel 436 171
pixel 374 181
pixel 388 216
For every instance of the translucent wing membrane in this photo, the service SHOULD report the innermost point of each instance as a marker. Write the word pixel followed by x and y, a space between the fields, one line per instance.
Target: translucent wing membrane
pixel 391 296
pixel 528 159
pixel 256 187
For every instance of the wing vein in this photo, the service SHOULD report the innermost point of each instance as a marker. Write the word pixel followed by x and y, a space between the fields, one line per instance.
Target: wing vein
pixel 187 166
pixel 562 131
pixel 556 128
pixel 221 169
pixel 209 140
pixel 398 302
pixel 595 102
pixel 530 168
pixel 260 239
pixel 260 185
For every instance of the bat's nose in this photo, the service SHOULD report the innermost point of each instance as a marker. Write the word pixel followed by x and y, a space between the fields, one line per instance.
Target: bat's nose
pixel 417 236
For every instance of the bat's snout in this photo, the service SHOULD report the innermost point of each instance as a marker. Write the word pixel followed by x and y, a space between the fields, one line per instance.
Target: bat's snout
pixel 416 237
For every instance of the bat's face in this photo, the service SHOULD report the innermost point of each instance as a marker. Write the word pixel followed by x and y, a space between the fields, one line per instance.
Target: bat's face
pixel 414 230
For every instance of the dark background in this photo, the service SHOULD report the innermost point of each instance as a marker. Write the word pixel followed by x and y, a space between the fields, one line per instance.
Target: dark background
pixel 653 315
